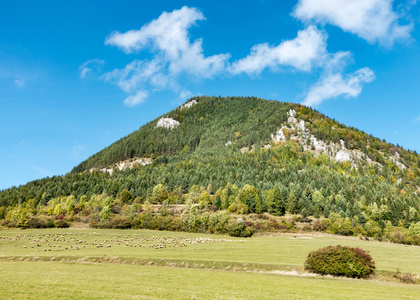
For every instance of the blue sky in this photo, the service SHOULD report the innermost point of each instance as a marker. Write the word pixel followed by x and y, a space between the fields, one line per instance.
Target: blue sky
pixel 76 76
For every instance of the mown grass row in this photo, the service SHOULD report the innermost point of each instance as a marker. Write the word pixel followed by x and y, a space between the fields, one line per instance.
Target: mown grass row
pixel 52 280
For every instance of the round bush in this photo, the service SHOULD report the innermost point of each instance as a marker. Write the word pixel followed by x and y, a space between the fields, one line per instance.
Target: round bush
pixel 340 261
pixel 61 223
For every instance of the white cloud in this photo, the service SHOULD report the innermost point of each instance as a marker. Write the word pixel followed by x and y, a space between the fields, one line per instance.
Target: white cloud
pixel 304 53
pixel 336 62
pixel 90 67
pixel 173 56
pixel 84 72
pixel 185 94
pixel 140 78
pixel 301 53
pixel 168 37
pixel 137 74
pixel 175 59
pixel 20 82
pixel 334 85
pixel 169 33
pixel 136 99
pixel 372 20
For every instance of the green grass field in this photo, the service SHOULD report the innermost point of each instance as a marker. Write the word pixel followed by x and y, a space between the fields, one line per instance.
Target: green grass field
pixel 135 264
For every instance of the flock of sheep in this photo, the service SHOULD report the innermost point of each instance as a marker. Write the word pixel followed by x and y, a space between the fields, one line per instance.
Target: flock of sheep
pixel 77 241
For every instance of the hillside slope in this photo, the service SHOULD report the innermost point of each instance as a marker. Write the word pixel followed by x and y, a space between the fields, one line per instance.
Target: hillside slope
pixel 242 155
pixel 209 123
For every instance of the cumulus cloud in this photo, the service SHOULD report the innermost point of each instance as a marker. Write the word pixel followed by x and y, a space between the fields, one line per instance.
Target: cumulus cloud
pixel 173 55
pixel 169 32
pixel 138 74
pixel 174 58
pixel 304 53
pixel 90 67
pixel 185 94
pixel 136 99
pixel 301 53
pixel 168 37
pixel 372 20
pixel 334 85
pixel 336 62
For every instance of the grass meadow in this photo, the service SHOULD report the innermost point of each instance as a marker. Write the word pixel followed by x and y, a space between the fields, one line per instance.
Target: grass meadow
pixel 142 264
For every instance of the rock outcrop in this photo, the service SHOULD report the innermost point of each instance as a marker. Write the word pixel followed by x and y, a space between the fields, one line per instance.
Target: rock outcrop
pixel 296 129
pixel 167 123
pixel 189 104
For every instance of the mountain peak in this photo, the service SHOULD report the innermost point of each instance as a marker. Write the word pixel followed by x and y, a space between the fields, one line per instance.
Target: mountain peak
pixel 209 122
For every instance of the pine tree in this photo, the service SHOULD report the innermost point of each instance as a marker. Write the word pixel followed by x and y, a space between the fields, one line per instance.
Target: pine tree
pixel 275 202
pixel 217 202
pixel 292 203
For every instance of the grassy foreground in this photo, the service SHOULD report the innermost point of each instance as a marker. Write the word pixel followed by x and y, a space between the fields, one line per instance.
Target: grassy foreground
pixel 287 250
pixel 48 280
pixel 63 263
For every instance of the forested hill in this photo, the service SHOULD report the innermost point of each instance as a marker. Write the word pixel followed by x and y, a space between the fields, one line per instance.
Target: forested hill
pixel 212 122
pixel 242 155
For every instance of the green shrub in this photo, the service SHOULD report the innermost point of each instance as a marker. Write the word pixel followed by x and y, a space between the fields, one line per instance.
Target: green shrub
pixel 121 223
pixel 62 223
pixel 320 225
pixel 414 229
pixel 40 222
pixel 238 208
pixel 340 261
pixel 399 235
pixel 8 223
pixel 239 229
pixel 102 224
pixel 169 223
pixel 339 225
